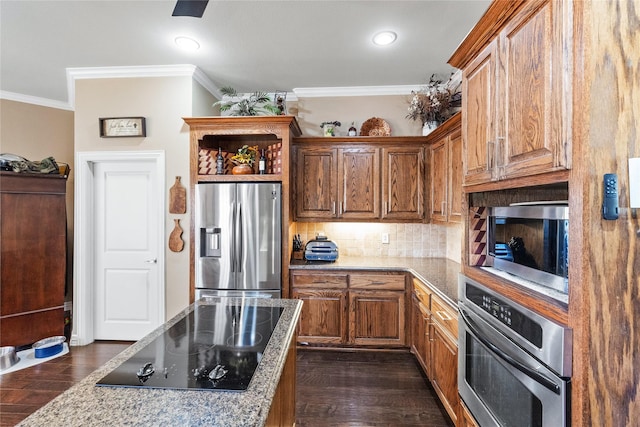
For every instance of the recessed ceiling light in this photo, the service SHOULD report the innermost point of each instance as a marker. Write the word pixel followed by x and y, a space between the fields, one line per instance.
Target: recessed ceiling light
pixel 188 44
pixel 384 38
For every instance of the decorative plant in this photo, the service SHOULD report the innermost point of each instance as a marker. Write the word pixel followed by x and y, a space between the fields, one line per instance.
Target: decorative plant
pixel 329 127
pixel 245 155
pixel 431 103
pixel 253 104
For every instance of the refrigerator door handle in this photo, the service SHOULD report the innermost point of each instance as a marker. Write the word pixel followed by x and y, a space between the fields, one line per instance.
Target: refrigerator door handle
pixel 238 237
pixel 231 239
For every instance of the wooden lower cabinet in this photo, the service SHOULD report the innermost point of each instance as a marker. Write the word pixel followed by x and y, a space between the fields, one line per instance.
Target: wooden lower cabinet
pixel 351 309
pixel 445 369
pixel 465 419
pixel 434 334
pixel 283 406
pixel 377 318
pixel 324 316
pixel 420 339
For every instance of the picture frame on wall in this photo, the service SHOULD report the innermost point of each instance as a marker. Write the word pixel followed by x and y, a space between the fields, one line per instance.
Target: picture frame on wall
pixel 122 127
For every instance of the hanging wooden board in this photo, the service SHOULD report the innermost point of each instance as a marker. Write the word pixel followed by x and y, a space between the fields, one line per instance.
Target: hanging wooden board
pixel 176 244
pixel 177 198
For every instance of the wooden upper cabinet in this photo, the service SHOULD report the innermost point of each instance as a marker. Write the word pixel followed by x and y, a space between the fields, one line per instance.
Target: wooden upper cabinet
pixel 516 94
pixel 454 178
pixel 403 183
pixel 359 179
pixel 359 183
pixel 446 172
pixel 316 176
pixel 478 105
pixel 439 180
pixel 532 91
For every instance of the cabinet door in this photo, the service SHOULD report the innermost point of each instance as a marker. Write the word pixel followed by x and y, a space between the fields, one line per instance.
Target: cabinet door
pixel 439 173
pixel 420 341
pixel 478 104
pixel 532 92
pixel 324 316
pixel 402 185
pixel 359 183
pixel 377 318
pixel 454 178
pixel 316 175
pixel 445 369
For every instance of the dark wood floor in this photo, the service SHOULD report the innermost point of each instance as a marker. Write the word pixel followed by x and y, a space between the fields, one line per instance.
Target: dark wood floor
pixel 333 388
pixel 24 391
pixel 364 389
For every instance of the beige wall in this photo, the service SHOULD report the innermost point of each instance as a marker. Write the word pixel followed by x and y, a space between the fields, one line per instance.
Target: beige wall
pixel 311 112
pixel 163 101
pixel 202 102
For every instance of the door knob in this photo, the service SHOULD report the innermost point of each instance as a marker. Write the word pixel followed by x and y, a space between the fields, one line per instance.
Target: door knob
pixel 152 261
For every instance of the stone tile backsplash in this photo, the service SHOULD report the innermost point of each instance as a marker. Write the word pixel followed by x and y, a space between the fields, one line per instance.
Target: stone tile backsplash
pixel 405 240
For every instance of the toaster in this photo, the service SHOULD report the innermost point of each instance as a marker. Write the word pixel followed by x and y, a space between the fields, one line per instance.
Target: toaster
pixel 321 249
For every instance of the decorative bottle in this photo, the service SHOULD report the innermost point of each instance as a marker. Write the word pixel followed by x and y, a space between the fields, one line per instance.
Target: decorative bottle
pixel 262 164
pixel 352 130
pixel 220 162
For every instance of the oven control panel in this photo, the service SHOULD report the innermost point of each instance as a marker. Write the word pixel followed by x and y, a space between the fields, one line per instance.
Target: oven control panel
pixel 506 314
pixel 497 309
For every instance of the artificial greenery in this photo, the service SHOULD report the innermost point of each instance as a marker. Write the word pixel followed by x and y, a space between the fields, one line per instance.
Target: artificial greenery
pixel 245 155
pixel 255 104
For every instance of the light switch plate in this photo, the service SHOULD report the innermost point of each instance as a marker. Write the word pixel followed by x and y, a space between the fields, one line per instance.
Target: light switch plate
pixel 634 183
pixel 385 238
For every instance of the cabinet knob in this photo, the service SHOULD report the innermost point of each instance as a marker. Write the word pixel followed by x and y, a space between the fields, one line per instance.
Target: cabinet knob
pixel 152 261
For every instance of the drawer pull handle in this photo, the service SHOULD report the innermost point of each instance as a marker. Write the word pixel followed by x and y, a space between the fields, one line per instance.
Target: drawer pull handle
pixel 443 316
pixel 378 283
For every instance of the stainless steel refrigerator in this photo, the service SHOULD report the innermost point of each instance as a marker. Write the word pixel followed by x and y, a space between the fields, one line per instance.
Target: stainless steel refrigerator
pixel 238 239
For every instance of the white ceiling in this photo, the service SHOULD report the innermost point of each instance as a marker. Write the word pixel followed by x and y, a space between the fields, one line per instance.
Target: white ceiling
pixel 249 45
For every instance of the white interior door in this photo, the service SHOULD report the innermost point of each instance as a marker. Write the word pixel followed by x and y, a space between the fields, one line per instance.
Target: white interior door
pixel 127 285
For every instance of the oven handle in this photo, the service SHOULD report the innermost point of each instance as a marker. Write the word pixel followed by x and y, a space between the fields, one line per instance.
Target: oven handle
pixel 519 366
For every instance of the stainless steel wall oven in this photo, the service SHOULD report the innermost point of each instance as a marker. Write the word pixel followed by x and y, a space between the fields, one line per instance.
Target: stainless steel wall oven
pixel 514 366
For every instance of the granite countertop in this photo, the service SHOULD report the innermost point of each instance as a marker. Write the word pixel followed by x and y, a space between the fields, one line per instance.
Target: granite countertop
pixel 440 273
pixel 86 404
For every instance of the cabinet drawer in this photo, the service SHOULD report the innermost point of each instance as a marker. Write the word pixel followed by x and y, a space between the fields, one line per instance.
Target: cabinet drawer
pixel 423 293
pixel 393 282
pixel 319 280
pixel 445 315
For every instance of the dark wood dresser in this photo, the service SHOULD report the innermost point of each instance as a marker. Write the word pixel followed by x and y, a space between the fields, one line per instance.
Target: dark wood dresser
pixel 33 240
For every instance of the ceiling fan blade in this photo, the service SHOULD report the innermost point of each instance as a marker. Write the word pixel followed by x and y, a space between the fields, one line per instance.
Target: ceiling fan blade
pixel 193 8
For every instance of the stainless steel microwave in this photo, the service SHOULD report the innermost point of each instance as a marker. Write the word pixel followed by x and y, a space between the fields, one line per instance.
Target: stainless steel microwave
pixel 531 242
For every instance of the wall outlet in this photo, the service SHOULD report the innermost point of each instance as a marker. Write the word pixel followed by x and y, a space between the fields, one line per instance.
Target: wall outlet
pixel 385 238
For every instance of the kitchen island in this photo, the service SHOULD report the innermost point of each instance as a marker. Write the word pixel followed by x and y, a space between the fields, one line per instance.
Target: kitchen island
pixel 87 404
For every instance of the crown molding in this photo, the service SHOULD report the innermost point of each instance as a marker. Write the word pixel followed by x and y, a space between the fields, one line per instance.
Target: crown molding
pixel 28 99
pixel 317 92
pixel 177 70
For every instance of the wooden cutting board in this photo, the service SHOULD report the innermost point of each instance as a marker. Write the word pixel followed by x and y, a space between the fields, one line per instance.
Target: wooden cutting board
pixel 177 198
pixel 175 238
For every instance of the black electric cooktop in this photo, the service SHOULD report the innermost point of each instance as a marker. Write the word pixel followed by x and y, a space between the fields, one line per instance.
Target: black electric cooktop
pixel 215 347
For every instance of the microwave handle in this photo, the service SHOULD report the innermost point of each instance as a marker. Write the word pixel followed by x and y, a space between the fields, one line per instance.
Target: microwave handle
pixel 504 356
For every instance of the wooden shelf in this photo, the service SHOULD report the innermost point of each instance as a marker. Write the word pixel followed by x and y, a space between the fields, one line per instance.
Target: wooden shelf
pixel 240 178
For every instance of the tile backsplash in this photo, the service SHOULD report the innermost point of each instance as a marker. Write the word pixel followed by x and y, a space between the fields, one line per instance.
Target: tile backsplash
pixel 405 240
